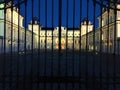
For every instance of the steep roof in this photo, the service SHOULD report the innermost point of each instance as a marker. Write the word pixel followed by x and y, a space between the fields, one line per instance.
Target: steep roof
pixel 86 21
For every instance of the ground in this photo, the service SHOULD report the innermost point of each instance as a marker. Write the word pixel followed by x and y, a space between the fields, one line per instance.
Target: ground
pixel 73 69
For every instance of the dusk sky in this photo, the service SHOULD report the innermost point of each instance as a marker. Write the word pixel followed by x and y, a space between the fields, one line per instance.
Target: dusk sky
pixel 48 3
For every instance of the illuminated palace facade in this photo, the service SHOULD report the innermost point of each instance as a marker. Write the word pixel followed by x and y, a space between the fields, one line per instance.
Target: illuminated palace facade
pixel 49 37
pixel 13 33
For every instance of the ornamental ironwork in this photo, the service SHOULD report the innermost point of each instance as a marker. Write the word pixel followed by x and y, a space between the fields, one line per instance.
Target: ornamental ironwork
pixel 10 3
pixel 109 4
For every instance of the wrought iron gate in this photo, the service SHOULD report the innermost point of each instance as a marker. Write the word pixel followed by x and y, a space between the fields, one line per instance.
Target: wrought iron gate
pixel 59 44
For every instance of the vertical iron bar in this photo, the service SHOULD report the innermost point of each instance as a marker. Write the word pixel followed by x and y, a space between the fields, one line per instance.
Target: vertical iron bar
pixel 80 46
pixel 60 9
pixel 59 52
pixel 107 59
pixel 87 22
pixel 11 52
pixel 45 43
pixel 94 23
pixel 32 2
pixel 118 46
pixel 4 50
pixel 101 33
pixel 18 47
pixel 45 37
pixel 66 71
pixel 39 37
pixel 114 52
pixel 52 42
pixel 73 75
pixel 25 35
pixel 52 37
pixel 108 11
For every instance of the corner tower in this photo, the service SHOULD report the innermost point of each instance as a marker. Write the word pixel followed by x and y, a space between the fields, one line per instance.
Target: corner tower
pixel 34 25
pixel 86 26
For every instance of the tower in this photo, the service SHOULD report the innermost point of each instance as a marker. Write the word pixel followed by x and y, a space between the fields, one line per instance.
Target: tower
pixel 34 25
pixel 86 26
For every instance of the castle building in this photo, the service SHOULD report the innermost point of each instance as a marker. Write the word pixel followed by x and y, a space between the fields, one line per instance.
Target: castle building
pixel 13 31
pixel 9 27
pixel 109 24
pixel 16 36
pixel 50 36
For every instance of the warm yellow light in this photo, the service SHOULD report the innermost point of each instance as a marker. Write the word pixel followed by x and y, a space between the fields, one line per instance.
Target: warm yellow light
pixel 57 46
pixel 56 41
pixel 62 41
pixel 62 46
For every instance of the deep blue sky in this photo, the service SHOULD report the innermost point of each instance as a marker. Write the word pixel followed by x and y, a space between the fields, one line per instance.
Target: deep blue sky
pixel 48 12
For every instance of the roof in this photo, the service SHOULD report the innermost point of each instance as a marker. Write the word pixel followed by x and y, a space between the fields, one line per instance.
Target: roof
pixel 48 28
pixel 51 28
pixel 35 20
pixel 72 28
pixel 85 21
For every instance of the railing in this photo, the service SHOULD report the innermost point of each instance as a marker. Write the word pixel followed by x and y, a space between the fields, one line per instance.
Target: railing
pixel 59 44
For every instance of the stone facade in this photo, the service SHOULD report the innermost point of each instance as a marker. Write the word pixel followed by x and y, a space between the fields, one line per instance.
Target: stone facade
pixel 18 38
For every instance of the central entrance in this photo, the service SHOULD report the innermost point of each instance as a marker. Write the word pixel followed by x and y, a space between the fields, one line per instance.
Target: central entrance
pixel 63 43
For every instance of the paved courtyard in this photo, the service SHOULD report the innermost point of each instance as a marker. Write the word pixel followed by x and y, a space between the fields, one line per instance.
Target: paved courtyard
pixel 51 68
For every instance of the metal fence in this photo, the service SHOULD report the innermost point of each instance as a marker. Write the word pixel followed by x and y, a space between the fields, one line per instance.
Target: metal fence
pixel 59 44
